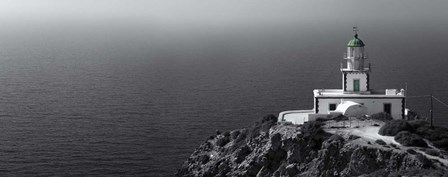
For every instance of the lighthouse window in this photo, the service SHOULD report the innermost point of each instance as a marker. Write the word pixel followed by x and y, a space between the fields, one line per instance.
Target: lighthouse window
pixel 332 107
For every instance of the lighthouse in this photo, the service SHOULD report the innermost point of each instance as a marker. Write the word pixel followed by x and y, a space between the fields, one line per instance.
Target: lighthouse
pixel 355 74
pixel 355 98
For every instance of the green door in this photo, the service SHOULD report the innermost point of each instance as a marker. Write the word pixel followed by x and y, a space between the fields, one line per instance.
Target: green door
pixel 356 85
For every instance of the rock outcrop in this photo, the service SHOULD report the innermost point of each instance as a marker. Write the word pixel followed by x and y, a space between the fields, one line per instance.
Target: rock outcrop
pixel 280 149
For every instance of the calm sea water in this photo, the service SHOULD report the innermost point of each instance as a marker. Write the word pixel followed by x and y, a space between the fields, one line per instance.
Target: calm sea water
pixel 139 105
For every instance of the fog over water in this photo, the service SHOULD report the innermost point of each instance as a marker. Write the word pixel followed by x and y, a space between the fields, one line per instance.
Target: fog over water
pixel 110 87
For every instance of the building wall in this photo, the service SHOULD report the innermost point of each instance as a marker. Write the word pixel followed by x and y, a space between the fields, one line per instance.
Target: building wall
pixel 374 105
pixel 362 81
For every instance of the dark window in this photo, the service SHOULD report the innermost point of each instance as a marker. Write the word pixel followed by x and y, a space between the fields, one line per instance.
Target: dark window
pixel 387 108
pixel 332 107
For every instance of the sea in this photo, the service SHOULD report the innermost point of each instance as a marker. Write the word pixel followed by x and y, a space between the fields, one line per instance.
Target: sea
pixel 102 102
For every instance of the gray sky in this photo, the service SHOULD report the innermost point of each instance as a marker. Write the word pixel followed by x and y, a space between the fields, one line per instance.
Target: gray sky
pixel 221 12
pixel 156 21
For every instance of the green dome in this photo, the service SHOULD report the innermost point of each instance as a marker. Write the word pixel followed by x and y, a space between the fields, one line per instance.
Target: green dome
pixel 355 42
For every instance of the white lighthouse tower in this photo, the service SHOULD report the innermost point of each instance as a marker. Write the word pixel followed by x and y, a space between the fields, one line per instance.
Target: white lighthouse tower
pixel 356 98
pixel 355 75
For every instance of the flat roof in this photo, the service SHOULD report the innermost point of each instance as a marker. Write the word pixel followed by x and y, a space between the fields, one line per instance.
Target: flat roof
pixel 338 93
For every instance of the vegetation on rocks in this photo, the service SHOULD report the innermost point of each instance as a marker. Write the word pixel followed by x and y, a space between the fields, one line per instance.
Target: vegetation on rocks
pixel 222 141
pixel 262 127
pixel 412 133
pixel 438 136
pixel 312 128
pixel 393 127
pixel 276 149
pixel 406 138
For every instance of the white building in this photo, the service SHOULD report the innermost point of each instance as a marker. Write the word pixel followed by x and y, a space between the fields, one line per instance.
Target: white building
pixel 356 98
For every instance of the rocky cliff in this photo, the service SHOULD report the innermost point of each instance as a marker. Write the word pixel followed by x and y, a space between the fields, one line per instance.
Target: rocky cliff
pixel 279 149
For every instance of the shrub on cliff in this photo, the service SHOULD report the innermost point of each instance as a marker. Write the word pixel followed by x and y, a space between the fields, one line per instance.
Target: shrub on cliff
pixel 406 138
pixel 442 144
pixel 241 153
pixel 242 135
pixel 269 118
pixel 222 141
pixel 437 135
pixel 433 134
pixel 234 134
pixel 266 123
pixel 311 128
pixel 392 127
pixel 313 135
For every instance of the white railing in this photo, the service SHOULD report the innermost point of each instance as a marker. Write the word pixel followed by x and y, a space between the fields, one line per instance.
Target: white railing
pixel 368 68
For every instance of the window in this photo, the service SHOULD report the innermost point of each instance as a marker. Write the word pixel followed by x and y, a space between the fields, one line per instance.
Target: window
pixel 332 107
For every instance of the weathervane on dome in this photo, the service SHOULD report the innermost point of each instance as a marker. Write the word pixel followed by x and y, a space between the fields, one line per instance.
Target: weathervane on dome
pixel 355 29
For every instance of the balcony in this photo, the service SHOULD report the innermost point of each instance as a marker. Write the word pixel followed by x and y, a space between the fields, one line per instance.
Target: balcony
pixel 368 68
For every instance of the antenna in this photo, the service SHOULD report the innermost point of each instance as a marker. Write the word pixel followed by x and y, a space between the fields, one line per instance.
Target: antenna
pixel 431 111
